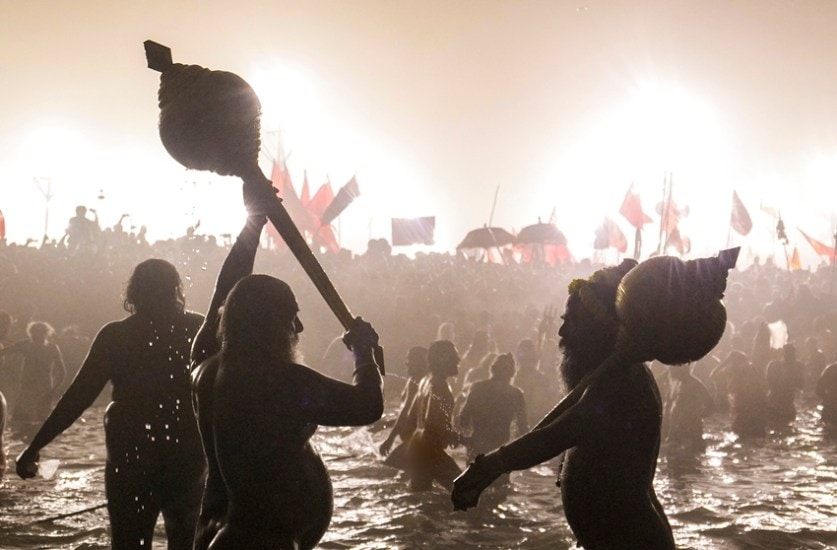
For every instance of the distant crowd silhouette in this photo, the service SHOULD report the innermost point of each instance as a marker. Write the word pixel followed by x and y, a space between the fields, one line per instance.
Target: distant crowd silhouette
pixel 472 349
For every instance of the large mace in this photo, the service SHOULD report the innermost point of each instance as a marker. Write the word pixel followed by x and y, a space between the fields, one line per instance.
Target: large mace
pixel 668 310
pixel 209 120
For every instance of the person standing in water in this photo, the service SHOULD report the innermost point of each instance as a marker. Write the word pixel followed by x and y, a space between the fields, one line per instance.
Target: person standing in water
pixel 491 407
pixel 689 403
pixel 432 414
pixel 257 407
pixel 5 326
pixel 154 463
pixel 43 372
pixel 403 428
pixel 610 437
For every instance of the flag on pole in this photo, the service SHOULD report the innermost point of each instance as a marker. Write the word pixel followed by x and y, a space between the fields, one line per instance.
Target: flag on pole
pixel 609 235
pixel 795 263
pixel 2 225
pixel 682 244
pixel 769 210
pixel 631 208
pixel 740 219
pixel 407 231
pixel 344 198
pixel 281 180
pixel 324 236
pixel 820 248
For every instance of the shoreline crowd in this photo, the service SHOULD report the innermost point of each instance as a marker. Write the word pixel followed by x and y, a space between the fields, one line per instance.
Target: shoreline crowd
pixel 481 327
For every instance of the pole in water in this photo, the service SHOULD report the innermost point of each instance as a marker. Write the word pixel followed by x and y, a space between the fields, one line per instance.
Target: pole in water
pixel 70 514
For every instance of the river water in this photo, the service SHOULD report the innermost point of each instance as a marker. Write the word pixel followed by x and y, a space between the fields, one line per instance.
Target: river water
pixel 774 493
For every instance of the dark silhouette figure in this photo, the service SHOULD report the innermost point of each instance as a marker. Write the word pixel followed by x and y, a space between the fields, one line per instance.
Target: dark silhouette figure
pixel 747 395
pixel 403 428
pixel 43 372
pixel 432 413
pixel 689 403
pixel 539 389
pixel 5 326
pixel 827 392
pixel 257 408
pixel 82 232
pixel 610 438
pixel 491 407
pixel 784 379
pixel 155 463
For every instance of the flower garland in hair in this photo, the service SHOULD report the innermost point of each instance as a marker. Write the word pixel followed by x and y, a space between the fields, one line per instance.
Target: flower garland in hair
pixel 590 301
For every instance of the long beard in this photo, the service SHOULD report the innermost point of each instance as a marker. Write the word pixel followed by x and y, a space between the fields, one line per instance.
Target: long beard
pixel 573 367
pixel 581 359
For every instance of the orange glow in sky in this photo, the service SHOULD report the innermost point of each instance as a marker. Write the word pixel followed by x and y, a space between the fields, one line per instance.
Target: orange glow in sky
pixel 435 106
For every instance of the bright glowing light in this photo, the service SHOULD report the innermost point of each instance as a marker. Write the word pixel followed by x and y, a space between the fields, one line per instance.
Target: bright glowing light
pixel 317 141
pixel 657 130
pixel 820 190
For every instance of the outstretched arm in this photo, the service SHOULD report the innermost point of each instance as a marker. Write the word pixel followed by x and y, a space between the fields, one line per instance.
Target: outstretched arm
pixel 531 449
pixel 83 391
pixel 238 264
pixel 400 422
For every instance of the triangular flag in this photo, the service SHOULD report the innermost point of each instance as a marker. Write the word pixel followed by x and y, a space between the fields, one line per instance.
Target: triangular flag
pixel 740 219
pixel 344 198
pixel 324 236
pixel 795 263
pixel 321 199
pixel 820 248
pixel 281 179
pixel 631 208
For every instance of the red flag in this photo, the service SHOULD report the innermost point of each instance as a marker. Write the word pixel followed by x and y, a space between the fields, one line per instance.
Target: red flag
pixel 740 219
pixel 682 244
pixel 631 208
pixel 670 215
pixel 344 198
pixel 324 235
pixel 609 235
pixel 2 225
pixel 795 263
pixel 821 249
pixel 281 179
pixel 321 199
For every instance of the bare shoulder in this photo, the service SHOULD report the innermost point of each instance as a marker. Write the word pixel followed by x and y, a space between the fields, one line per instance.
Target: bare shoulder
pixel 203 376
pixel 193 320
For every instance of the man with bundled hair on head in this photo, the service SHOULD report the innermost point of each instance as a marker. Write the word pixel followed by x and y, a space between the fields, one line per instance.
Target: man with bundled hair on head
pixel 610 437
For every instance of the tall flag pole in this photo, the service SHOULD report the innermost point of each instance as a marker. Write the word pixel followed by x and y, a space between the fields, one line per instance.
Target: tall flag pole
pixel 493 206
pixel 631 210
pixel 783 238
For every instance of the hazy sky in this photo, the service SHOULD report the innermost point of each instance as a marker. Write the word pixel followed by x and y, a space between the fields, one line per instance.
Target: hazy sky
pixel 434 104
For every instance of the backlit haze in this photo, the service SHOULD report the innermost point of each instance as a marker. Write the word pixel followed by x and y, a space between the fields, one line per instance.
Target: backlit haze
pixel 433 105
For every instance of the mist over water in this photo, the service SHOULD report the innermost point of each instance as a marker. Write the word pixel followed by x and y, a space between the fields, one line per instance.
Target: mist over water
pixel 771 493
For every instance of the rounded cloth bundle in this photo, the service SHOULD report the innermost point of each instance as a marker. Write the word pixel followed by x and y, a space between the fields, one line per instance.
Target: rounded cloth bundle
pixel 209 120
pixel 671 310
